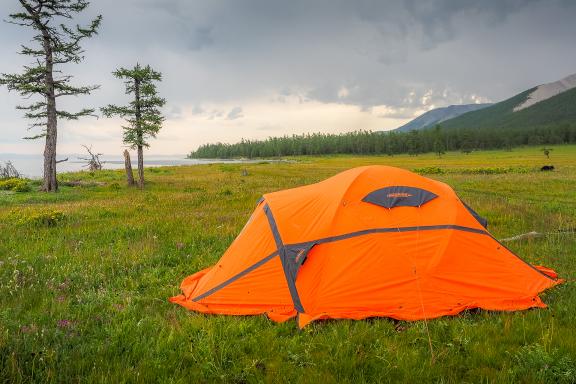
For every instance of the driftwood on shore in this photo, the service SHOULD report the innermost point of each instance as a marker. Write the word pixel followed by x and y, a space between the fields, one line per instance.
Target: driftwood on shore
pixel 82 183
pixel 93 162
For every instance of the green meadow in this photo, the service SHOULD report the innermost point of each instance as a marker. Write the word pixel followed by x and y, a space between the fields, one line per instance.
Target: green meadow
pixel 85 275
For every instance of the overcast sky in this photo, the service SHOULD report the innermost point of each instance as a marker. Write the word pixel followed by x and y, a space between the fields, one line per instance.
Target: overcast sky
pixel 251 69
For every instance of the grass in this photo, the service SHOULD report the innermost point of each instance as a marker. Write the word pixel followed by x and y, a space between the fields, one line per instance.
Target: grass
pixel 84 299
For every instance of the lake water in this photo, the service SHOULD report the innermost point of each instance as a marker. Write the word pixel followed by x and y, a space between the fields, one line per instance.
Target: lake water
pixel 32 165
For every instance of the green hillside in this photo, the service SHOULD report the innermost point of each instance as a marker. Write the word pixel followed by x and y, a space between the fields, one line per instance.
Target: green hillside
pixel 554 111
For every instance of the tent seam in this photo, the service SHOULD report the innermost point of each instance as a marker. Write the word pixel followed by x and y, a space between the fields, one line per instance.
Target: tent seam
pixel 349 235
pixel 236 276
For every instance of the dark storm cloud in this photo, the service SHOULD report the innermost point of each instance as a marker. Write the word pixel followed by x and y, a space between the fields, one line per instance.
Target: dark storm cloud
pixel 407 55
pixel 381 51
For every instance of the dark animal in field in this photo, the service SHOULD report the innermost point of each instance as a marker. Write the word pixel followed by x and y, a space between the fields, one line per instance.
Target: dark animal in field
pixel 547 168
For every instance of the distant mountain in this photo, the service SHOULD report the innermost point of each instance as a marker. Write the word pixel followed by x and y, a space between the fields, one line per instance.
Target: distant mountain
pixel 438 115
pixel 546 91
pixel 541 106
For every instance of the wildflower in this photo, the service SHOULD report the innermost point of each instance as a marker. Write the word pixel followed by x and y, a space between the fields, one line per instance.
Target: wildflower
pixel 64 324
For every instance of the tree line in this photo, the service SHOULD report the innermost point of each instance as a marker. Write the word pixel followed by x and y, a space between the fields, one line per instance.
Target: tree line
pixel 435 139
pixel 56 44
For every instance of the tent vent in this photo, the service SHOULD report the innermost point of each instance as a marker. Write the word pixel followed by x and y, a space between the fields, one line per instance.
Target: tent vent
pixel 399 196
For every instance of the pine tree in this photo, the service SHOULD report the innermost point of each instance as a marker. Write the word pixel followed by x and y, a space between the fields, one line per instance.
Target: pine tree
pixel 413 142
pixel 439 147
pixel 143 113
pixel 54 44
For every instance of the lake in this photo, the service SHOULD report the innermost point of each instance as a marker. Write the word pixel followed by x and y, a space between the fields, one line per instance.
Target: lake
pixel 32 165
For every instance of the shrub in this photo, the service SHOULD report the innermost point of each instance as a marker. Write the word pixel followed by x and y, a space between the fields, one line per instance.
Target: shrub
pixel 226 192
pixel 429 171
pixel 473 171
pixel 493 170
pixel 43 218
pixel 229 168
pixel 22 187
pixel 159 170
pixel 14 184
pixel 194 189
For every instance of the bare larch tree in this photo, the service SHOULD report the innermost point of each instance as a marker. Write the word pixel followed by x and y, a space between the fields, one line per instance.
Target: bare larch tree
pixel 56 42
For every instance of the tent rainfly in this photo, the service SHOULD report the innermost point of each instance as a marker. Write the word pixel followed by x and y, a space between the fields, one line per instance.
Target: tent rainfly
pixel 370 241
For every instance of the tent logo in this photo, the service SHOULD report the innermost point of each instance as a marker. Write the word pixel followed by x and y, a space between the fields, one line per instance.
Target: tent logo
pixel 399 195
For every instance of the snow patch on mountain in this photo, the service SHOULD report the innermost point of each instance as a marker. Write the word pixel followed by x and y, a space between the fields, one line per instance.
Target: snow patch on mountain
pixel 546 91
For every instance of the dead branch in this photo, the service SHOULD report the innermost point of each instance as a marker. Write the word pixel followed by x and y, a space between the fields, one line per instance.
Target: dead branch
pixel 93 162
pixel 8 171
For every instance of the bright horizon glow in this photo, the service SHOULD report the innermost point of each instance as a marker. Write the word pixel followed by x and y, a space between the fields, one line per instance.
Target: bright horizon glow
pixel 211 123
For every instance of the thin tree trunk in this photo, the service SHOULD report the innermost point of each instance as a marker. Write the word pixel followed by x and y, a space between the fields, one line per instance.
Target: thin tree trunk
pixel 140 167
pixel 50 183
pixel 139 132
pixel 128 167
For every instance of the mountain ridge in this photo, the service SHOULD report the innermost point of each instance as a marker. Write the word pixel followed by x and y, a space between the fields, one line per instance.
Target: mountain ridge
pixel 540 106
pixel 548 90
pixel 438 115
pixel 558 109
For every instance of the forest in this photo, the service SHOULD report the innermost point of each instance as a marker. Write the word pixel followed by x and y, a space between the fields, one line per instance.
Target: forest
pixel 436 139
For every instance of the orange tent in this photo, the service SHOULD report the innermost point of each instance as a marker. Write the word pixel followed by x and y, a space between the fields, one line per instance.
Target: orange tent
pixel 370 241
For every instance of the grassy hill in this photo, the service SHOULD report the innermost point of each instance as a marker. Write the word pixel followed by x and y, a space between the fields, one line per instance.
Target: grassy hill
pixel 85 275
pixel 557 110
